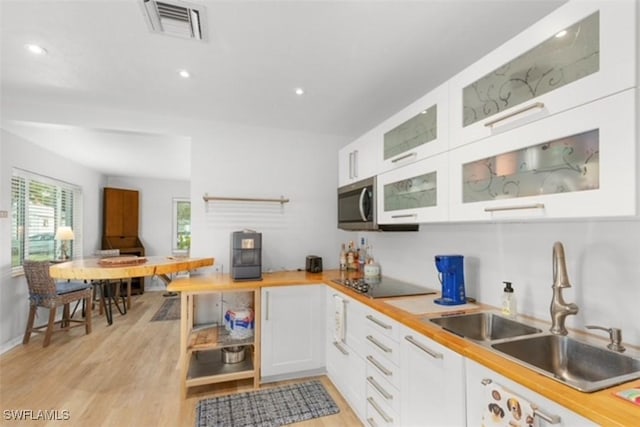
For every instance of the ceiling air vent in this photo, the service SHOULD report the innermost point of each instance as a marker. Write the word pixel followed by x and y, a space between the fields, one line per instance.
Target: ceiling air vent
pixel 176 18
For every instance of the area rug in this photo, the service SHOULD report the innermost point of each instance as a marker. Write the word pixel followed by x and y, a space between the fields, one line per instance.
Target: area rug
pixel 169 310
pixel 267 408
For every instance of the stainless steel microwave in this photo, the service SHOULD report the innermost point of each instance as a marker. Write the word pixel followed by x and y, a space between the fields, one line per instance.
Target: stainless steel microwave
pixel 357 209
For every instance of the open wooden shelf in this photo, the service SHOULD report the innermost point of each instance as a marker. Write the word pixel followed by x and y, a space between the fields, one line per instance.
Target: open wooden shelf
pixel 209 337
pixel 206 367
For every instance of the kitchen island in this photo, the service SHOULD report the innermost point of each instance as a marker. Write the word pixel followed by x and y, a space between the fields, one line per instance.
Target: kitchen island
pixel 602 407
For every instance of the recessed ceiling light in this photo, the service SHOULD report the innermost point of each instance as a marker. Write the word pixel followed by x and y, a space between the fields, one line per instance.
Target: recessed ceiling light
pixel 561 33
pixel 299 91
pixel 35 49
pixel 184 74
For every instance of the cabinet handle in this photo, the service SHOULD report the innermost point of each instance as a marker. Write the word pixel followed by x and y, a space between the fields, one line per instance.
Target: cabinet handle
pixel 344 301
pixel 379 410
pixel 339 347
pixel 266 314
pixel 379 366
pixel 355 164
pixel 378 322
pixel 424 348
pixel 380 389
pixel 513 208
pixel 551 419
pixel 372 422
pixel 379 344
pixel 361 204
pixel 351 165
pixel 406 156
pixel 538 105
pixel 404 216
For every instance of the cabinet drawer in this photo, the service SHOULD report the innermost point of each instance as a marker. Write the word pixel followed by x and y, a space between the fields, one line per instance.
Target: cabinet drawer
pixel 383 390
pixel 379 414
pixel 581 52
pixel 385 368
pixel 382 346
pixel 581 163
pixel 382 324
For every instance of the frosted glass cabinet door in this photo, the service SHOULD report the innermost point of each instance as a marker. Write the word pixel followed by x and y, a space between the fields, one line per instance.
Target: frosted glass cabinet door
pixel 581 163
pixel 418 131
pixel 414 193
pixel 581 52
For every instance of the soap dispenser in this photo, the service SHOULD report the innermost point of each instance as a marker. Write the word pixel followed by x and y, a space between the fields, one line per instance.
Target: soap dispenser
pixel 508 300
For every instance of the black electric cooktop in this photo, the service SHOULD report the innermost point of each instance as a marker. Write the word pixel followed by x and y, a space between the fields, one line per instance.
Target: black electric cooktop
pixel 385 287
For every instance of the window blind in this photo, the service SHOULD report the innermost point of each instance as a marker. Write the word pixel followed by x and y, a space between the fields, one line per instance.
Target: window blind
pixel 39 205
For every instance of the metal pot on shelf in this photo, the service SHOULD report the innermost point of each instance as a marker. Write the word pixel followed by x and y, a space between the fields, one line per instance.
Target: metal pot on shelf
pixel 235 354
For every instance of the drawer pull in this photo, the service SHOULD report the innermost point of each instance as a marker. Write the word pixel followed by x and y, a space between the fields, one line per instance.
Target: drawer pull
pixel 379 366
pixel 379 410
pixel 406 156
pixel 378 322
pixel 514 208
pixel 424 348
pixel 404 216
pixel 372 422
pixel 535 105
pixel 378 344
pixel 380 389
pixel 339 347
pixel 551 419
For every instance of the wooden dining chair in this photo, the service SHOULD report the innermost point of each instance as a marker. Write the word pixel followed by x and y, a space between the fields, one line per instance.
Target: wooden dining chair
pixel 46 292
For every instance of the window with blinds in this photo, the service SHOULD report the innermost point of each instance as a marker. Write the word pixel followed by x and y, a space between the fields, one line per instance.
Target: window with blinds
pixel 39 205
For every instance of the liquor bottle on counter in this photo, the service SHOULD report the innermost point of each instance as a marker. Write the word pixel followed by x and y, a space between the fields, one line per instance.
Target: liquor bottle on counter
pixel 351 258
pixel 343 258
pixel 362 256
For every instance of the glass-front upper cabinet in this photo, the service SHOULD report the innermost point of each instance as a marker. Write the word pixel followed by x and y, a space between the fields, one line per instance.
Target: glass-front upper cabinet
pixel 580 163
pixel 581 52
pixel 418 131
pixel 415 193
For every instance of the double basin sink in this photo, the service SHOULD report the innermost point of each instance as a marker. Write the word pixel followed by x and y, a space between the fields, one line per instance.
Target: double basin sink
pixel 578 364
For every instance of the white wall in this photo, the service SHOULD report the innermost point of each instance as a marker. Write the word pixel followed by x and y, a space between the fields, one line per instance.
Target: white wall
pixel 602 261
pixel 156 209
pixel 243 161
pixel 17 152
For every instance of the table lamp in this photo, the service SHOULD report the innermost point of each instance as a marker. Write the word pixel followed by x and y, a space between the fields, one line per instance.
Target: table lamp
pixel 64 234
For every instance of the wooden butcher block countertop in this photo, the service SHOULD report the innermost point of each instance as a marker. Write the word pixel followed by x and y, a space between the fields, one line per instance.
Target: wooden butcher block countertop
pixel 602 406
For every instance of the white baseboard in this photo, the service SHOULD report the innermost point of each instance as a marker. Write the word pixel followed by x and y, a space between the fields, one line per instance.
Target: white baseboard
pixel 11 344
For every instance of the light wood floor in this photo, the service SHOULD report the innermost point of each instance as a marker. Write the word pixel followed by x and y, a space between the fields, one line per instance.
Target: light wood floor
pixel 125 374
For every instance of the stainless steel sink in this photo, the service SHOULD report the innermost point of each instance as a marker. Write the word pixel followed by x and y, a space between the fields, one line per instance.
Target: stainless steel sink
pixel 484 326
pixel 582 366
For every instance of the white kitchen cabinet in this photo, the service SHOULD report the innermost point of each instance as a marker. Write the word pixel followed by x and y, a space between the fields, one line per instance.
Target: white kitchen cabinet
pixel 345 362
pixel 432 383
pixel 293 331
pixel 583 51
pixel 359 159
pixel 479 397
pixel 418 131
pixel 415 193
pixel 580 163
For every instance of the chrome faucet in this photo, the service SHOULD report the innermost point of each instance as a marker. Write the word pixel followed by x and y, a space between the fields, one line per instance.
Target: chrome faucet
pixel 559 308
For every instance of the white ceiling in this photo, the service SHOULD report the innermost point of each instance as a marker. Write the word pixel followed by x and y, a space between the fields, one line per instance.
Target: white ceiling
pixel 358 61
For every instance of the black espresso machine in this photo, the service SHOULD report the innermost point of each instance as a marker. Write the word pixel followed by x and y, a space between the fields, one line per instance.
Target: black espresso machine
pixel 246 255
